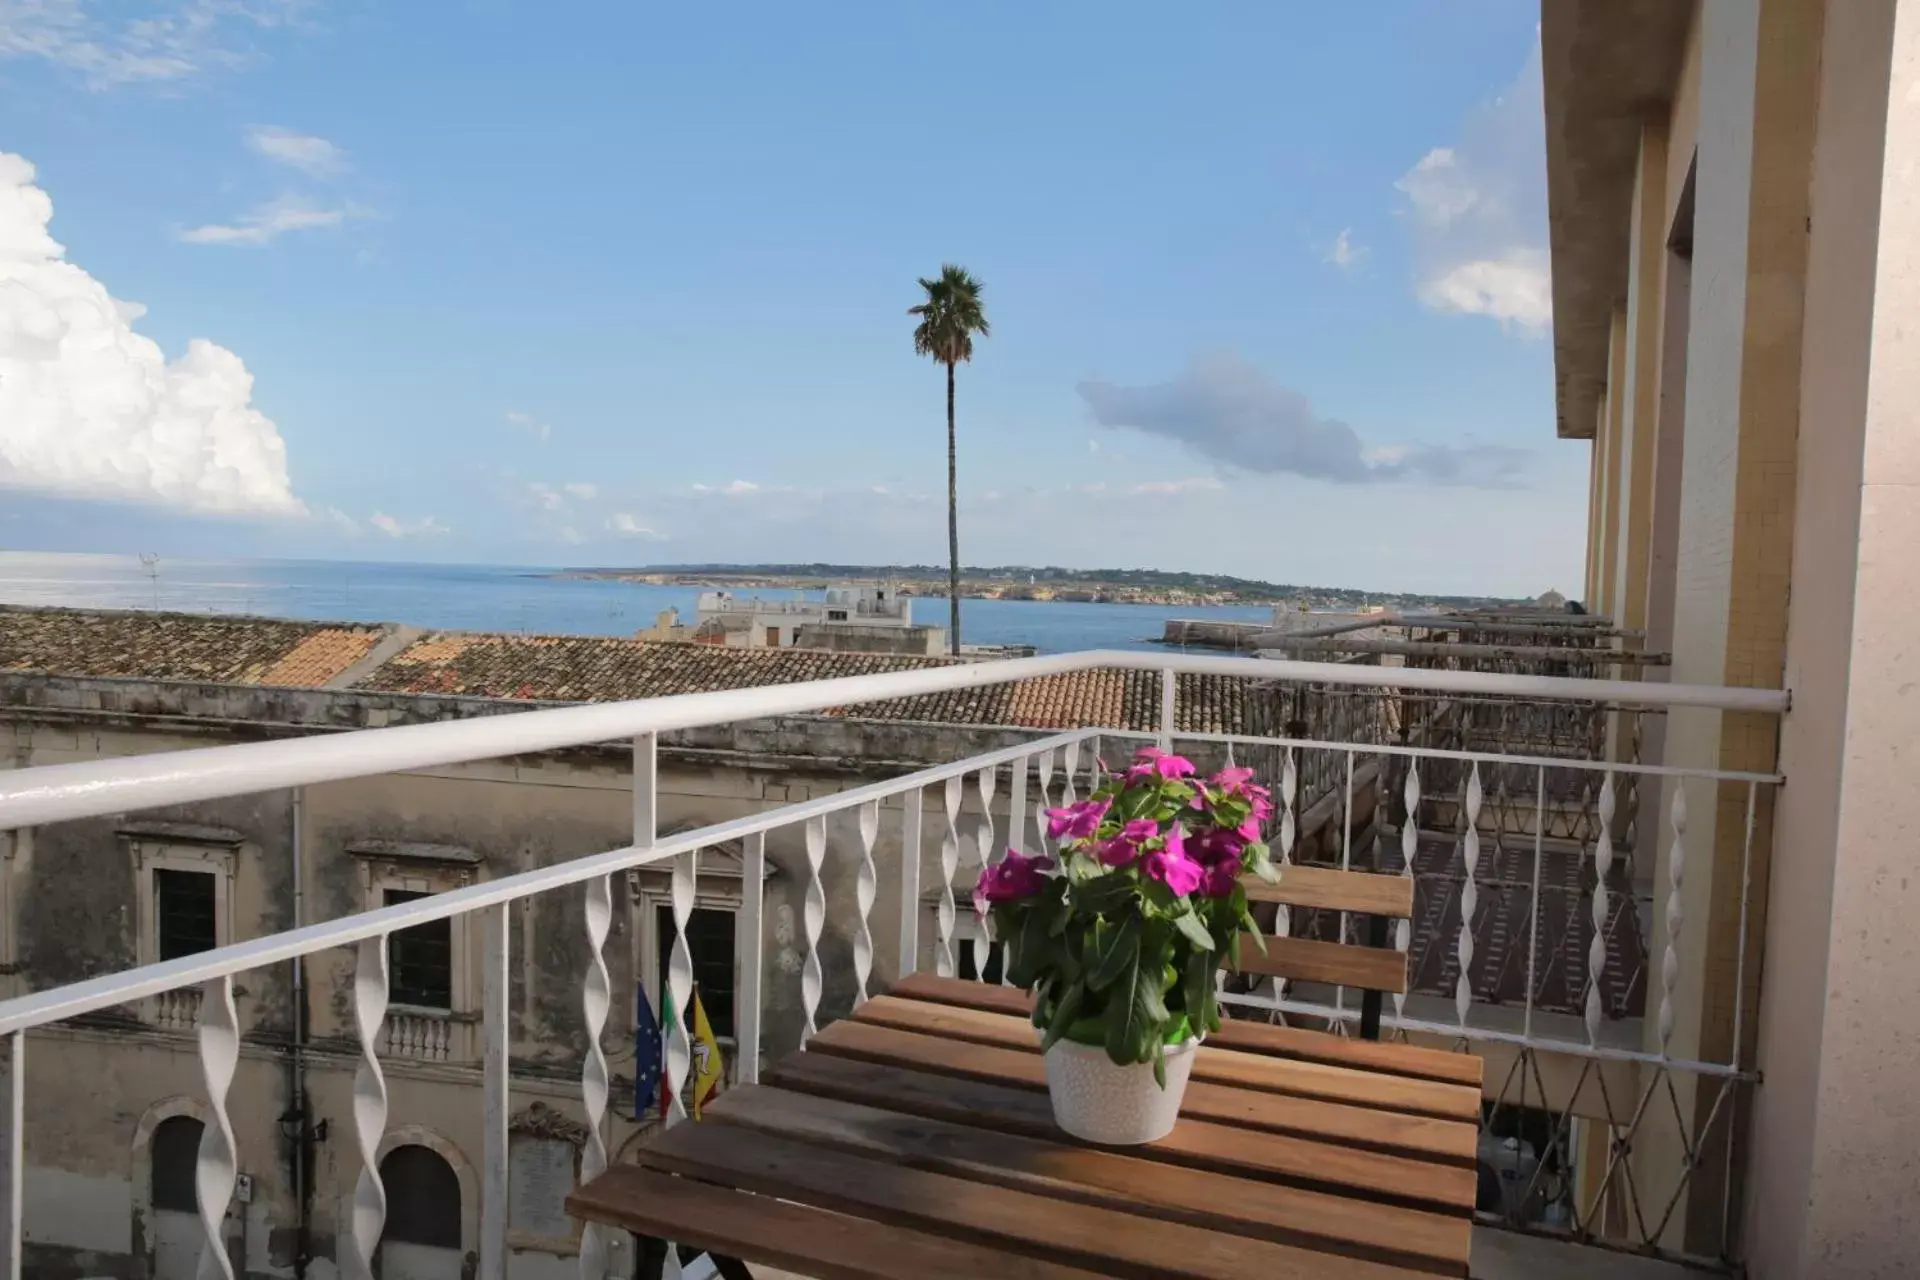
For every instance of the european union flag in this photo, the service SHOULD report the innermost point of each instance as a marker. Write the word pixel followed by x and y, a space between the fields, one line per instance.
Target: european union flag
pixel 647 1055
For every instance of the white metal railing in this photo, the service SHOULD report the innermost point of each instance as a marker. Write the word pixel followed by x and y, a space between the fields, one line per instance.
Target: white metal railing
pixel 1031 770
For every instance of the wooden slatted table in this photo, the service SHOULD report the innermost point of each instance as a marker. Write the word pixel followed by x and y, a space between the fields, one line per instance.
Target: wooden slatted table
pixel 915 1139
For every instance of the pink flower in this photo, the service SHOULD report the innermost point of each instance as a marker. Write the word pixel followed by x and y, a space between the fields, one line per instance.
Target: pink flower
pixel 1172 867
pixel 1014 877
pixel 1232 781
pixel 1077 821
pixel 1220 878
pixel 1125 847
pixel 1215 846
pixel 1249 830
pixel 1152 762
pixel 1182 875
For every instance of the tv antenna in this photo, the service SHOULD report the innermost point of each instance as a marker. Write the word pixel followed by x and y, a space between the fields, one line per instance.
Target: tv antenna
pixel 150 561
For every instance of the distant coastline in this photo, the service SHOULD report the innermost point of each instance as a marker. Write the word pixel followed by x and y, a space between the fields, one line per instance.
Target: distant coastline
pixel 1019 582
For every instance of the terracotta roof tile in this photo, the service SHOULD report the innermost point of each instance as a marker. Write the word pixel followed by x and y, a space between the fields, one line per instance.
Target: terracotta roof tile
pixel 178 646
pixel 585 669
pixel 320 657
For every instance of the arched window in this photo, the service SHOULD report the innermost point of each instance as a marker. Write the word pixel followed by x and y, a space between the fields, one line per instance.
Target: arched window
pixel 423 1198
pixel 175 1150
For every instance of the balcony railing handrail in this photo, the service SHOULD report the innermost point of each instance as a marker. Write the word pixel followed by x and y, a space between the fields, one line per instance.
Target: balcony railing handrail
pixel 65 792
pixel 127 985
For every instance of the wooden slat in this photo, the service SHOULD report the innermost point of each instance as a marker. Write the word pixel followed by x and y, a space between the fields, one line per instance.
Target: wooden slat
pixel 1309 1219
pixel 1328 1121
pixel 1212 1064
pixel 1243 1034
pixel 1034 1226
pixel 1266 1157
pixel 1334 963
pixel 777 1233
pixel 1195 1142
pixel 1416 1061
pixel 1329 888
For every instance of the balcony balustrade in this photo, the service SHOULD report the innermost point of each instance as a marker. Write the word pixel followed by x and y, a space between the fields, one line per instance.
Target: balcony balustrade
pixel 1513 801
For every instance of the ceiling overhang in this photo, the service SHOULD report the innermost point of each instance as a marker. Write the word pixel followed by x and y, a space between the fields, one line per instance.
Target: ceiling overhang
pixel 1609 67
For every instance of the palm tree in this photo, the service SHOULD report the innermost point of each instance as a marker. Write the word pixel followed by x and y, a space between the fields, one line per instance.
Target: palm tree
pixel 949 318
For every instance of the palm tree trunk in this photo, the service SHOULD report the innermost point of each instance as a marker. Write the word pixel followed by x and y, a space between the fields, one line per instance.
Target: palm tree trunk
pixel 953 529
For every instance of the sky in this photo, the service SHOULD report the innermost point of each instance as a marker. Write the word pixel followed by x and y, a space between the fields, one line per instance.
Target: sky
pixel 510 283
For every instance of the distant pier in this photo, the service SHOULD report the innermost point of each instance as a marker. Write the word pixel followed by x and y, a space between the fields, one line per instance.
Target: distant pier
pixel 1203 633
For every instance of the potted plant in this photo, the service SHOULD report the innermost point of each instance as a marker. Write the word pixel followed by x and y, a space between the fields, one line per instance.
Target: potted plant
pixel 1120 938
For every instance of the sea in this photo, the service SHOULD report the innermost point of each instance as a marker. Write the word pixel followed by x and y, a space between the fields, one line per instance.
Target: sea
pixel 515 598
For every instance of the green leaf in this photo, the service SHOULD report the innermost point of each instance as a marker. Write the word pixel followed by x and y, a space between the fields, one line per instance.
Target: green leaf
pixel 1065 1013
pixel 1112 951
pixel 1125 1019
pixel 1189 924
pixel 1104 894
pixel 1160 1065
pixel 1198 984
pixel 1262 865
pixel 1033 950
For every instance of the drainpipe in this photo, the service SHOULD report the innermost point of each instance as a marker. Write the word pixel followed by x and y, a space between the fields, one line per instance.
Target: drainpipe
pixel 297 1059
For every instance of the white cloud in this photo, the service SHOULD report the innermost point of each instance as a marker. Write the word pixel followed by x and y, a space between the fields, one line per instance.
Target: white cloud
pixel 584 492
pixel 570 535
pixel 736 489
pixel 424 527
pixel 630 526
pixel 1516 289
pixel 90 408
pixel 546 496
pixel 340 520
pixel 1440 191
pixel 311 155
pixel 1345 253
pixel 161 44
pixel 529 424
pixel 268 222
pixel 1188 484
pixel 1479 213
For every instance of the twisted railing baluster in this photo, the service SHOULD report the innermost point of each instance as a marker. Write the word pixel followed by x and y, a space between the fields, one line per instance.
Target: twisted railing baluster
pixel 218 1168
pixel 980 944
pixel 866 889
pixel 1282 917
pixel 1040 806
pixel 680 982
pixel 1469 894
pixel 369 1104
pixel 1602 867
pixel 944 962
pixel 1676 913
pixel 596 998
pixel 1409 846
pixel 814 917
pixel 1017 837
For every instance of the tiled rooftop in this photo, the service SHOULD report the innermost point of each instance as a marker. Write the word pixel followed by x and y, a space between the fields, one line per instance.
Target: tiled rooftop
pixel 260 651
pixel 179 646
pixel 606 668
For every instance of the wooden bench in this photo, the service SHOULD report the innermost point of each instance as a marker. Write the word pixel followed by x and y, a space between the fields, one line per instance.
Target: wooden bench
pixel 1375 969
pixel 915 1138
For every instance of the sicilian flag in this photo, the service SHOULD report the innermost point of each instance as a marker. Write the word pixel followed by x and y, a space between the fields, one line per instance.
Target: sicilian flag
pixel 708 1066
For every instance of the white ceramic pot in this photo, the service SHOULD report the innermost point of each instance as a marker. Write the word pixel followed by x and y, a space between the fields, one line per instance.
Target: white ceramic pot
pixel 1096 1100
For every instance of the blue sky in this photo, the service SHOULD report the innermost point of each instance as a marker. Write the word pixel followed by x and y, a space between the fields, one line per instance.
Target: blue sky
pixel 627 284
